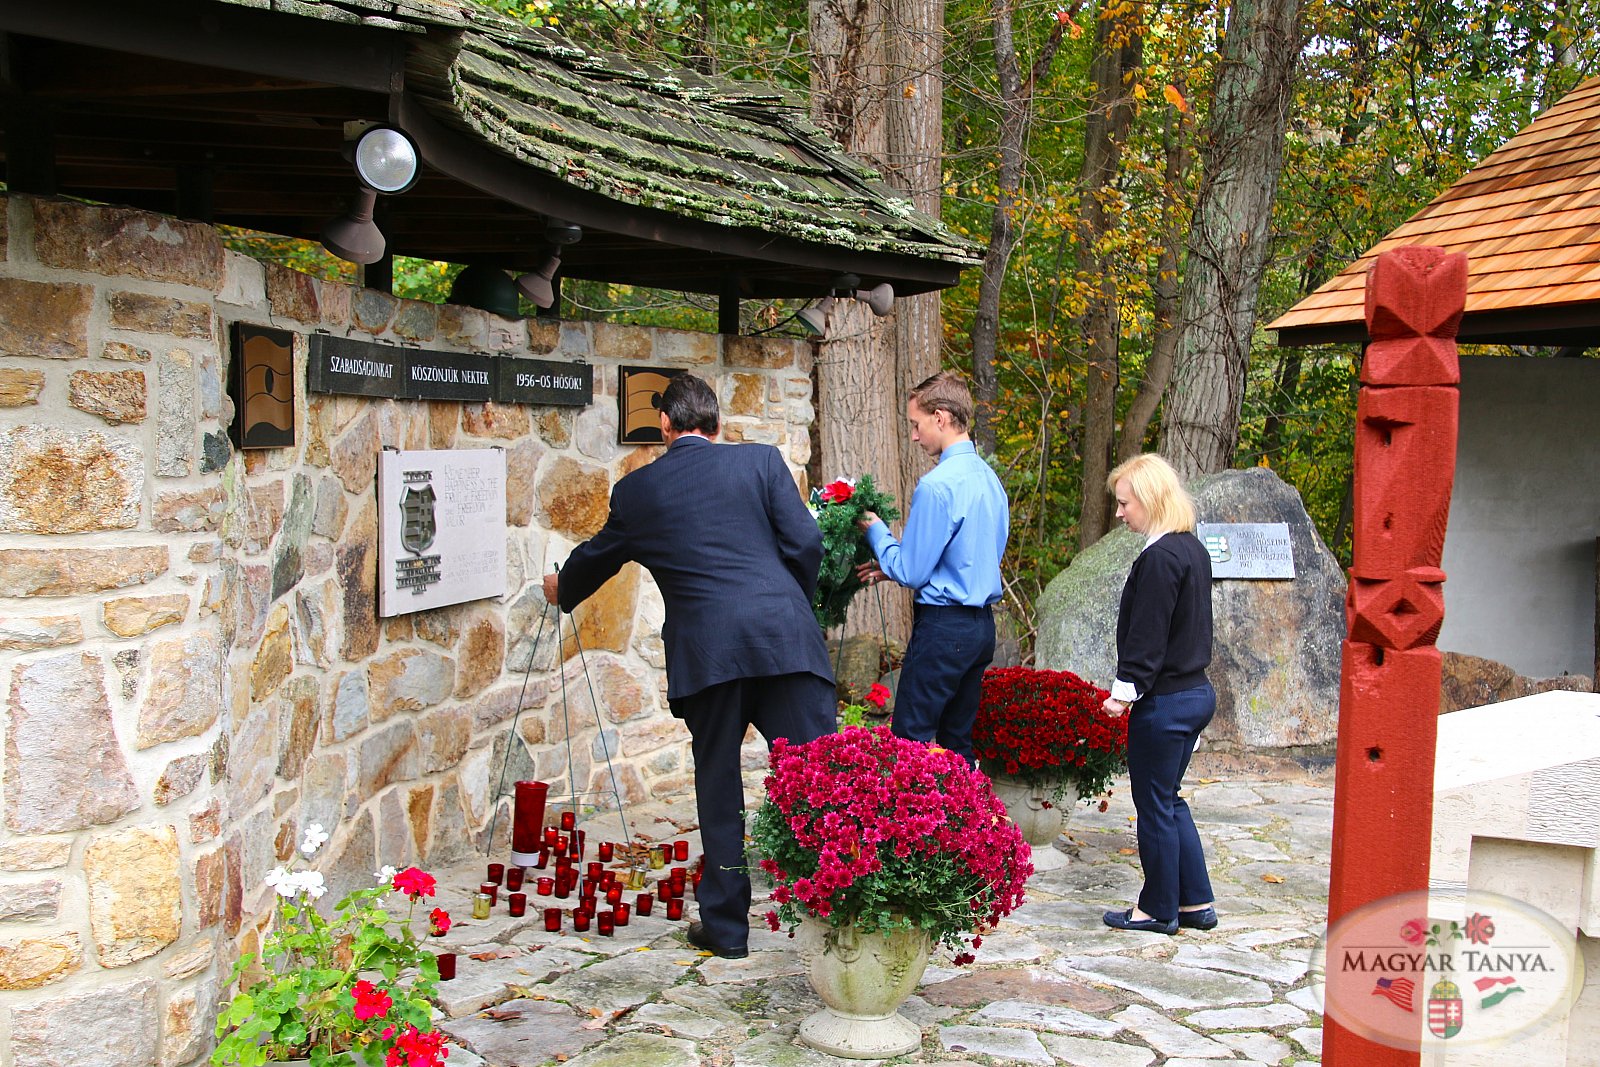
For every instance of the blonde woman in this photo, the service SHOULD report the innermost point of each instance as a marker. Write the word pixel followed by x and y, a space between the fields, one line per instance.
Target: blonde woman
pixel 1163 648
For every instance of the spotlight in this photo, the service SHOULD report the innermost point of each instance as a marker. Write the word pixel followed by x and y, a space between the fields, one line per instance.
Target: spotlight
pixel 489 288
pixel 815 318
pixel 539 285
pixel 386 161
pixel 880 298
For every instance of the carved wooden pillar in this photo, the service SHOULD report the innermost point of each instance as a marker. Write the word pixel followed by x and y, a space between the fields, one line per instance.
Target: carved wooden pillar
pixel 1405 455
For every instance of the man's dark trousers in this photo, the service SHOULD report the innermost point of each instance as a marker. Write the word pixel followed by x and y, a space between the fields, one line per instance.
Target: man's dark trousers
pixel 799 707
pixel 941 678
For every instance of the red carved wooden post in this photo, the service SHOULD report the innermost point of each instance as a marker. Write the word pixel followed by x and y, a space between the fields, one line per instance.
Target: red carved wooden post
pixel 1405 456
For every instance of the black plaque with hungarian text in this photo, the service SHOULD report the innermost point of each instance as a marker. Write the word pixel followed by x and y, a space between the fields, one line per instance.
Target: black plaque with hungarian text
pixel 540 381
pixel 352 366
pixel 449 376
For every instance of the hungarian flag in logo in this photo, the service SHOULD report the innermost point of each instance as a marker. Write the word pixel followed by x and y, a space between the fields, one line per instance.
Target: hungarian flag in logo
pixel 1444 1009
pixel 1398 990
pixel 1486 984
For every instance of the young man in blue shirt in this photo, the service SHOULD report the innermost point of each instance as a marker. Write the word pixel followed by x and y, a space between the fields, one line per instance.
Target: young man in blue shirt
pixel 950 555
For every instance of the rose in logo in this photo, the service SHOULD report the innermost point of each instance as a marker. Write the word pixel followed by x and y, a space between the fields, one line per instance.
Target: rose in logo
pixel 1414 931
pixel 1480 928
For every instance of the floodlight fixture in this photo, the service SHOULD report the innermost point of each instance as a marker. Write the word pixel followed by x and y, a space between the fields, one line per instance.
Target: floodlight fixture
pixel 539 285
pixel 386 161
pixel 815 318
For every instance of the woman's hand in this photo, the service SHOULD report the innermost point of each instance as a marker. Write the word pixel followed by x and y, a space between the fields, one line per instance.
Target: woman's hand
pixel 1114 707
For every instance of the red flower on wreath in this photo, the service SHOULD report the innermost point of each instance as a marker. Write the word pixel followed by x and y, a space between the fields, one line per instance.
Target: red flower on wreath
pixel 837 492
pixel 414 882
pixel 878 696
pixel 371 1002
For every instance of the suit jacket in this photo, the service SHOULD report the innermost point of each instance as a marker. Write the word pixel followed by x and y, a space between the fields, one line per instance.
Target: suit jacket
pixel 735 553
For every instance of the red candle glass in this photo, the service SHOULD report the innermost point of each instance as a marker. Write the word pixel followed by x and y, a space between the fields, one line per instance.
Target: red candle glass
pixel 568 820
pixel 517 903
pixel 613 895
pixel 541 858
pixel 447 965
pixel 645 903
pixel 552 919
pixel 563 887
pixel 551 835
pixel 666 852
pixel 679 876
pixel 514 876
pixel 497 873
pixel 595 869
pixel 622 912
pixel 580 920
pixel 579 839
pixel 607 923
pixel 527 816
pixel 675 908
pixel 490 890
pixel 544 886
pixel 606 851
pixel 680 850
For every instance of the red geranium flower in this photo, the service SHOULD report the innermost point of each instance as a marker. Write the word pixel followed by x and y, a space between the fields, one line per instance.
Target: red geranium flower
pixel 837 492
pixel 878 695
pixel 413 1048
pixel 414 882
pixel 438 922
pixel 371 1002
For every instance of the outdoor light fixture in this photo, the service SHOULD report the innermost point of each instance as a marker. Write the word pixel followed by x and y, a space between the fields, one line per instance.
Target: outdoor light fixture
pixel 815 318
pixel 487 288
pixel 880 298
pixel 539 284
pixel 387 162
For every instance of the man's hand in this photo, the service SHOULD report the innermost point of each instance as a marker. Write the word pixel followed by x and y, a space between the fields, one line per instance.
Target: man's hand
pixel 1114 707
pixel 552 588
pixel 867 519
pixel 869 573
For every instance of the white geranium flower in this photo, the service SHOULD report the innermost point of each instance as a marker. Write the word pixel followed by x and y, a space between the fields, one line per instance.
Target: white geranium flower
pixel 282 882
pixel 311 884
pixel 386 875
pixel 315 838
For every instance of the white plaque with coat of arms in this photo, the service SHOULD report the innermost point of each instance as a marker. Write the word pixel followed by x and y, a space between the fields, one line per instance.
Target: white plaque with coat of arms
pixel 441 528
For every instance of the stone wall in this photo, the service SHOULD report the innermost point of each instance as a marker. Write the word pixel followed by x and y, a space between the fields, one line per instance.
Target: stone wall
pixel 195 664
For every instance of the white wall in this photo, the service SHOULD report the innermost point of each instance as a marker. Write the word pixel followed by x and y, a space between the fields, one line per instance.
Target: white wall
pixel 1519 554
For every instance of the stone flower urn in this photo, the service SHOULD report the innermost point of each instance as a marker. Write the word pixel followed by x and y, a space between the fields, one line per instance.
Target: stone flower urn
pixel 1038 817
pixel 863 979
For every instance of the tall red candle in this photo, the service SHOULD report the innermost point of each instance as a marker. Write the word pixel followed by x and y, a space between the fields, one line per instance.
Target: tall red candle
pixel 527 821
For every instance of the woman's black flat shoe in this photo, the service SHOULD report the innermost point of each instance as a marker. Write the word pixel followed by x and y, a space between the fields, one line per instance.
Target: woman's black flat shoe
pixel 1204 919
pixel 1124 920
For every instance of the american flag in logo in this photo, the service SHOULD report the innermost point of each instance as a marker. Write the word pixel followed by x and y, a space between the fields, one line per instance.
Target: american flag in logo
pixel 1398 990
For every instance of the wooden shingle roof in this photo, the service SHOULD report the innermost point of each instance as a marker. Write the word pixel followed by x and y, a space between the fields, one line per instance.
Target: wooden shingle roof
pixel 1528 218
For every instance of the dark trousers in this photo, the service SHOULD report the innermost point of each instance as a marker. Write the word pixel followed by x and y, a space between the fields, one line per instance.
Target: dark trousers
pixel 942 675
pixel 1162 731
pixel 800 707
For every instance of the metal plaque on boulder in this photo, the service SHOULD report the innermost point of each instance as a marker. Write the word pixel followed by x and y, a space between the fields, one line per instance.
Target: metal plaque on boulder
pixel 540 381
pixel 1247 549
pixel 441 528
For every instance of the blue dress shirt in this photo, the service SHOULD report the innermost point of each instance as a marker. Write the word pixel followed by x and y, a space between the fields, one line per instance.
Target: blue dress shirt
pixel 955 534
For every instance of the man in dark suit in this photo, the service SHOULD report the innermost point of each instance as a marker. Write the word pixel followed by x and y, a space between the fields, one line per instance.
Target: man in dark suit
pixel 735 553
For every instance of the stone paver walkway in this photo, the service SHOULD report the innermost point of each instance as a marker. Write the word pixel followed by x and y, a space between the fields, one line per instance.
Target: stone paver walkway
pixel 1051 986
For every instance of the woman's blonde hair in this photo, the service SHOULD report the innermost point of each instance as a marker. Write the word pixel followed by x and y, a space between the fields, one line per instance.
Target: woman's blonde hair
pixel 1157 488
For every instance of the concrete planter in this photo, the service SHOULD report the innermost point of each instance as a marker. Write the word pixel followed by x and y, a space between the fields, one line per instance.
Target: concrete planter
pixel 863 979
pixel 1038 817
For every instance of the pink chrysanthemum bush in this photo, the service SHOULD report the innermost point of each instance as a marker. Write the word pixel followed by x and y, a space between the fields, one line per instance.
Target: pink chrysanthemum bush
pixel 867 829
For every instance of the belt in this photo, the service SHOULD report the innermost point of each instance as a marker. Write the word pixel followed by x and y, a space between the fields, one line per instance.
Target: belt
pixel 950 609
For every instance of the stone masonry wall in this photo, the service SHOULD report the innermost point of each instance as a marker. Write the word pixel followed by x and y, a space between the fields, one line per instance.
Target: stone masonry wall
pixel 189 636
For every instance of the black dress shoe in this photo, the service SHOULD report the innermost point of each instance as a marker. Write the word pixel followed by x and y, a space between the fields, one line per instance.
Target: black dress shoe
pixel 1204 919
pixel 1124 920
pixel 699 939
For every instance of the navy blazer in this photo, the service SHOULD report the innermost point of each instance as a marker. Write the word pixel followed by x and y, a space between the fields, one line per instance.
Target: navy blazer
pixel 735 553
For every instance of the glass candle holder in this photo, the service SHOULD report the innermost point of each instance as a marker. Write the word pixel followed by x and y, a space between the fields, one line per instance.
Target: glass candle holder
pixel 560 845
pixel 645 903
pixel 607 850
pixel 491 890
pixel 679 876
pixel 621 913
pixel 568 820
pixel 544 886
pixel 675 908
pixel 527 818
pixel 580 920
pixel 514 876
pixel 614 895
pixel 680 850
pixel 447 965
pixel 606 922
pixel 552 919
pixel 481 905
pixel 517 903
pixel 595 869
pixel 551 836
pixel 497 873
pixel 542 857
pixel 563 888
pixel 636 879
pixel 580 838
pixel 657 860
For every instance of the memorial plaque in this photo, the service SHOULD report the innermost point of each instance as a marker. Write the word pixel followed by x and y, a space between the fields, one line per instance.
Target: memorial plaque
pixel 441 528
pixel 1247 549
pixel 449 376
pixel 355 367
pixel 638 394
pixel 539 381
pixel 262 386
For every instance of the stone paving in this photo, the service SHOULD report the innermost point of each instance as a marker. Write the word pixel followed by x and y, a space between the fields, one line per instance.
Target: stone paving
pixel 1051 986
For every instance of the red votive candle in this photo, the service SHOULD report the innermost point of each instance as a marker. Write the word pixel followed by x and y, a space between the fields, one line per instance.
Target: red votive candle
pixel 517 903
pixel 568 820
pixel 675 908
pixel 514 876
pixel 595 869
pixel 527 817
pixel 560 845
pixel 551 836
pixel 541 858
pixel 645 902
pixel 606 851
pixel 679 876
pixel 580 839
pixel 447 965
pixel 497 873
pixel 544 886
pixel 490 890
pixel 622 913
pixel 552 919
pixel 563 887
pixel 680 850
pixel 580 920
pixel 666 852
pixel 607 923
pixel 613 895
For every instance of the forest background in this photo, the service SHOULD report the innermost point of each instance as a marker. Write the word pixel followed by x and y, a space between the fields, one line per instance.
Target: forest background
pixel 1154 180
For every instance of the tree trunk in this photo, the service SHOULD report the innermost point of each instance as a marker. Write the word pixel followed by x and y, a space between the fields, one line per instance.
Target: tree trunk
pixel 1228 239
pixel 1118 52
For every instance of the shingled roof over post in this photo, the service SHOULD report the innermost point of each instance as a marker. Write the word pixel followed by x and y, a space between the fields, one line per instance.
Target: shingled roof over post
pixel 234 112
pixel 1528 218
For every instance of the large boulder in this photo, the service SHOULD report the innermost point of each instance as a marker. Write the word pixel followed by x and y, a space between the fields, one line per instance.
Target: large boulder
pixel 1275 657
